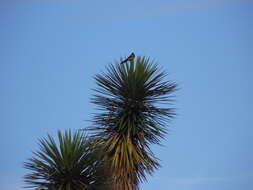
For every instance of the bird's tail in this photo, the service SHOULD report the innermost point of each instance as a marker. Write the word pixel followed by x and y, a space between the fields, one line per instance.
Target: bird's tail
pixel 123 61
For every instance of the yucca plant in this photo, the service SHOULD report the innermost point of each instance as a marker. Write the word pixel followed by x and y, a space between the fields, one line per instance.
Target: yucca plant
pixel 70 163
pixel 135 105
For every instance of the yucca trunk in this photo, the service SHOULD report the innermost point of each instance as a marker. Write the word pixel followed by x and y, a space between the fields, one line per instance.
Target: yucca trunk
pixel 131 119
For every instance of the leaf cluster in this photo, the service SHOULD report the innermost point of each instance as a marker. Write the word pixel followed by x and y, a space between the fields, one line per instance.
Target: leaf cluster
pixel 131 100
pixel 71 163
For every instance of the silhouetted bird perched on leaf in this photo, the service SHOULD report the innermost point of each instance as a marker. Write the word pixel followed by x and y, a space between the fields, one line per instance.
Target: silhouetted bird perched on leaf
pixel 130 58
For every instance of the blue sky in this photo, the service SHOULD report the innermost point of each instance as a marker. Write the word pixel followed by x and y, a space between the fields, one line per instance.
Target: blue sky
pixel 50 50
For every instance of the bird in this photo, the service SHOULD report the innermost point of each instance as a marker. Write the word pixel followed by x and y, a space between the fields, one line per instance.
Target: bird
pixel 130 58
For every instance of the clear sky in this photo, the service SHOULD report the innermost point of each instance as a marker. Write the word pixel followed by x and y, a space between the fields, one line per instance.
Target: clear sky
pixel 50 50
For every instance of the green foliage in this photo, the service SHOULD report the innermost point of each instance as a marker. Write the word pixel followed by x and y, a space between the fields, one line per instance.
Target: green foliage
pixel 133 101
pixel 72 163
pixel 135 105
